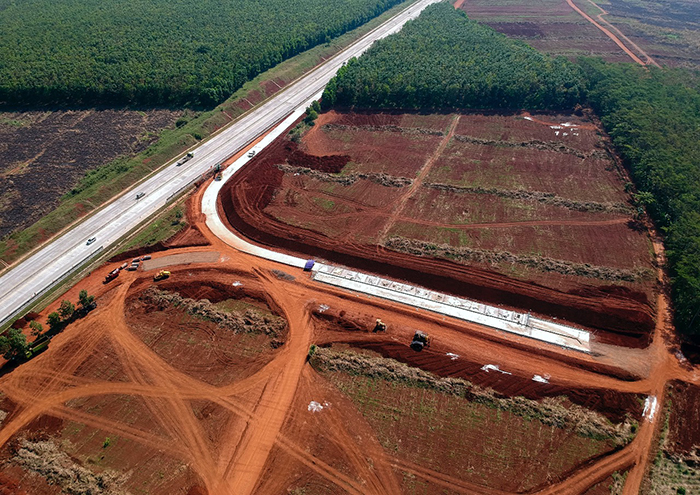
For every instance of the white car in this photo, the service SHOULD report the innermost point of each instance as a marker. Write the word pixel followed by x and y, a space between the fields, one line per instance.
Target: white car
pixel 90 241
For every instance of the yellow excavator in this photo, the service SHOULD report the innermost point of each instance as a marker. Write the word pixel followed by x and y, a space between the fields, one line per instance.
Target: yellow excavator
pixel 161 275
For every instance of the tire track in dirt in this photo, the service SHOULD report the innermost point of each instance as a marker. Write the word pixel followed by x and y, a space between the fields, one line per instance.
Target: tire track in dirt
pixel 422 174
pixel 43 398
pixel 263 429
pixel 443 480
pixel 665 363
pixel 607 32
pixel 172 412
pixel 378 476
pixel 622 35
pixel 322 468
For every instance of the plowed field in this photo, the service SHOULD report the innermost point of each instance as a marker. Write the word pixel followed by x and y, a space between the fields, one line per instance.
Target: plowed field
pixel 525 211
pixel 664 33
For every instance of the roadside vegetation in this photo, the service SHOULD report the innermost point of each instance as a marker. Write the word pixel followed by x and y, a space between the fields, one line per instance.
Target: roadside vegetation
pixel 158 52
pixel 444 59
pixel 165 225
pixel 114 177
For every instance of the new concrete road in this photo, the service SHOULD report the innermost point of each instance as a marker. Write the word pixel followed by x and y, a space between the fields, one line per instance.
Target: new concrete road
pixel 26 281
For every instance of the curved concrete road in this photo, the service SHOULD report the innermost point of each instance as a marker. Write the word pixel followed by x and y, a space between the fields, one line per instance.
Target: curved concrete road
pixel 20 286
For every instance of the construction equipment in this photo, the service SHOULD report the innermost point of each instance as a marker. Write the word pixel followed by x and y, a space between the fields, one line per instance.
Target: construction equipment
pixel 380 326
pixel 112 275
pixel 38 346
pixel 161 275
pixel 420 341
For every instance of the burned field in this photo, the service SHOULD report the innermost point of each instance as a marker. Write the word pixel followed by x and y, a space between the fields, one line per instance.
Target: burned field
pixel 526 211
pixel 551 26
pixel 666 31
pixel 44 154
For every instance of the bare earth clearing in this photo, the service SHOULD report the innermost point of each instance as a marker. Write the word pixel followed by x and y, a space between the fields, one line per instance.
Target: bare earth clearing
pixel 161 391
pixel 525 211
pixel 655 32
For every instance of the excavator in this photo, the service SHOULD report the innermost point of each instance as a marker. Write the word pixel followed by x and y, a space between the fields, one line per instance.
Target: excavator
pixel 161 275
pixel 420 341
pixel 380 326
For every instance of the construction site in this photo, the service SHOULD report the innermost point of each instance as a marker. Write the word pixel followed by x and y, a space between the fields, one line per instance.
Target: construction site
pixel 205 369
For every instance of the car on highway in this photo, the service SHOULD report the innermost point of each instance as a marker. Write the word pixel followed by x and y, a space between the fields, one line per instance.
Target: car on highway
pixel 90 241
pixel 251 153
pixel 140 195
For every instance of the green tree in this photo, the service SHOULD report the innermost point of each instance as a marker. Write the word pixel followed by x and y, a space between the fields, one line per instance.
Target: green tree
pixel 14 344
pixel 54 320
pixel 311 116
pixel 67 309
pixel 36 327
pixel 85 300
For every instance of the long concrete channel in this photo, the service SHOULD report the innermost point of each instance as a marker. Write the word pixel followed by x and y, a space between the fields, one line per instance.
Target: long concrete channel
pixel 24 283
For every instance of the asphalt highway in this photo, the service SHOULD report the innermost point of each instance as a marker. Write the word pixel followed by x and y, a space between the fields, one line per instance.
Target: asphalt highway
pixel 29 279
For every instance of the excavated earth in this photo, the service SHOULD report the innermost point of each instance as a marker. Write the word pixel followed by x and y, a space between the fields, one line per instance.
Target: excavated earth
pixel 155 391
pixel 306 199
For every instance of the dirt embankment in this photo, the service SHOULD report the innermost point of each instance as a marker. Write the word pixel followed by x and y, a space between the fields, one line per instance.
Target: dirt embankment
pixel 244 198
pixel 190 236
pixel 614 405
pixel 550 411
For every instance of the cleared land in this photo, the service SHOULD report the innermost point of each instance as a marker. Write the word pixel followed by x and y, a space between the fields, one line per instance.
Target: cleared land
pixel 526 211
pixel 666 31
pixel 200 384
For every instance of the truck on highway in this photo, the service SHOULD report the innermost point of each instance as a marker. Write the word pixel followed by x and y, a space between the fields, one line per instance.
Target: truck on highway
pixel 185 158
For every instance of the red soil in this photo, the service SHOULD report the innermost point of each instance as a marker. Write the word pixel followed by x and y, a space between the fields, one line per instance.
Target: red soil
pixel 256 435
pixel 684 422
pixel 247 196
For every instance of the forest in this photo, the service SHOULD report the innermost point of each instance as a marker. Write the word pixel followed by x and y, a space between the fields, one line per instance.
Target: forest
pixel 157 52
pixel 443 59
pixel 653 118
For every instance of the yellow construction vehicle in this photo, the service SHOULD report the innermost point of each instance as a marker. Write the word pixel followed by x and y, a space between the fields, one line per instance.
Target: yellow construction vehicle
pixel 380 326
pixel 163 274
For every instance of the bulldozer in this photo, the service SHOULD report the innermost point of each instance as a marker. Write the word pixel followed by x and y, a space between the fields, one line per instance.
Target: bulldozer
pixel 420 341
pixel 161 275
pixel 380 326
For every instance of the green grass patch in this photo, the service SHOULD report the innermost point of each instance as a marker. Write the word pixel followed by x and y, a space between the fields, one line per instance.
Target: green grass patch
pixel 162 227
